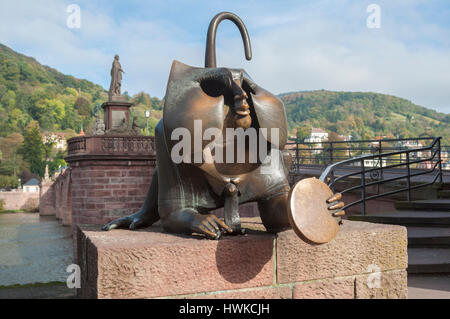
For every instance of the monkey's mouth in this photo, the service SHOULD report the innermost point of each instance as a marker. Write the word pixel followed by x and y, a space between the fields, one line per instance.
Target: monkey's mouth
pixel 241 111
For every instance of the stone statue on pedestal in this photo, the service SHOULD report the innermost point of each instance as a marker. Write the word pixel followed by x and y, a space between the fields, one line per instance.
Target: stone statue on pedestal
pixel 135 127
pixel 116 80
pixel 99 126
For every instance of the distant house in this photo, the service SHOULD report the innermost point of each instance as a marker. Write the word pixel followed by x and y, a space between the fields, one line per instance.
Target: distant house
pixel 345 137
pixel 410 144
pixel 317 136
pixel 58 138
pixel 32 186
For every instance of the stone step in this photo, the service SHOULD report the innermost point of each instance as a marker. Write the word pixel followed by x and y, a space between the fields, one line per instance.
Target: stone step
pixel 444 194
pixel 407 218
pixel 427 204
pixel 428 260
pixel 428 236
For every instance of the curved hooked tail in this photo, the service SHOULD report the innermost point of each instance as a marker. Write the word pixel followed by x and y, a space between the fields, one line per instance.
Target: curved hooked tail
pixel 210 54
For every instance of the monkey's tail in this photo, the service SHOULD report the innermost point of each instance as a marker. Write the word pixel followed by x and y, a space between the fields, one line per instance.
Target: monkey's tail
pixel 210 54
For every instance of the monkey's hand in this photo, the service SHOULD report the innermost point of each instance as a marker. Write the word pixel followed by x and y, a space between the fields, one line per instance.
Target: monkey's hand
pixel 134 221
pixel 209 225
pixel 335 205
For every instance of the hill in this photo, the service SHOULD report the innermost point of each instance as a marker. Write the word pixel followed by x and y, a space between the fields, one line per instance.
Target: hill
pixel 363 115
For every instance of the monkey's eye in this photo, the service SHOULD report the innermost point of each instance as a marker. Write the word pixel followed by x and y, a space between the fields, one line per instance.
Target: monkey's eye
pixel 217 86
pixel 214 87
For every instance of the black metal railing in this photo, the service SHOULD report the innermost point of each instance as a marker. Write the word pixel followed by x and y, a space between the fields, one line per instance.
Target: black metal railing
pixel 373 174
pixel 329 152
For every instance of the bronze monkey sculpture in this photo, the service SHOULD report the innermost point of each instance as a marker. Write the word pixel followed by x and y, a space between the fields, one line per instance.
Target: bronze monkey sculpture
pixel 183 194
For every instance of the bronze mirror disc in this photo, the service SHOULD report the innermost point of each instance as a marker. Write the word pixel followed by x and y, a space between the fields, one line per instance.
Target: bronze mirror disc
pixel 308 211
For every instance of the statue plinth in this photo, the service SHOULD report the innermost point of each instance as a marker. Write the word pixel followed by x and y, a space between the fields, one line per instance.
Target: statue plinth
pixel 117 98
pixel 117 113
pixel 258 265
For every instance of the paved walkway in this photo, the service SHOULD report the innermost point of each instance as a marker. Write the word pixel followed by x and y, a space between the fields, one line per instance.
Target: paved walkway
pixel 429 286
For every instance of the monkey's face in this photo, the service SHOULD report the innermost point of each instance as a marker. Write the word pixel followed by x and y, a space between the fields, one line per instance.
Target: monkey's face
pixel 236 90
pixel 220 98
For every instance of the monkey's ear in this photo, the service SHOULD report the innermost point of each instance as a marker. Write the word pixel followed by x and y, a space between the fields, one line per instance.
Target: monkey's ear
pixel 270 113
pixel 179 70
pixel 187 105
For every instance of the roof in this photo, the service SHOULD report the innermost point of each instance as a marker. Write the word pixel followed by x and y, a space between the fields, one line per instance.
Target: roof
pixel 32 182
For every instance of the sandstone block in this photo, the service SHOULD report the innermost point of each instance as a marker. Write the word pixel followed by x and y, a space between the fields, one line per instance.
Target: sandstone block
pixel 149 263
pixel 390 285
pixel 357 248
pixel 325 289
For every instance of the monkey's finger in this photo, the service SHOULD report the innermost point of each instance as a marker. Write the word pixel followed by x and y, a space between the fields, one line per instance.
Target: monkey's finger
pixel 213 224
pixel 222 224
pixel 208 226
pixel 339 214
pixel 118 223
pixel 334 198
pixel 109 226
pixel 337 206
pixel 207 232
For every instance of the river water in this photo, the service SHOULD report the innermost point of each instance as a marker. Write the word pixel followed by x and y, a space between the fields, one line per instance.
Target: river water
pixel 33 249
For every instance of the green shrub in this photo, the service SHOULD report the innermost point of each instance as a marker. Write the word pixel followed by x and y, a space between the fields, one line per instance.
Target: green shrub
pixel 8 181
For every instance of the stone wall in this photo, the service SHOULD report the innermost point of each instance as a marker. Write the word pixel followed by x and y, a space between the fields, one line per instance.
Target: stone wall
pixel 107 178
pixel 365 260
pixel 55 198
pixel 20 200
pixel 105 190
pixel 47 200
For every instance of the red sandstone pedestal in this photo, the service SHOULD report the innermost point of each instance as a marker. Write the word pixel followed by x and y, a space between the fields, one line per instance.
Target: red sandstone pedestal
pixel 365 260
pixel 115 113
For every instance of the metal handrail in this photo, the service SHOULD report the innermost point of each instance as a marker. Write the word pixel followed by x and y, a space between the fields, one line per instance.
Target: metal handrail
pixel 365 157
pixel 368 141
pixel 335 151
pixel 329 177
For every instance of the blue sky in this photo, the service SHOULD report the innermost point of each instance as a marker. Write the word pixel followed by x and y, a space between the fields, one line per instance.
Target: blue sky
pixel 297 45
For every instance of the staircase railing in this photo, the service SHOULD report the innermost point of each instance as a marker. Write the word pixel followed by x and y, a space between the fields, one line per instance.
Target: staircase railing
pixel 324 153
pixel 372 170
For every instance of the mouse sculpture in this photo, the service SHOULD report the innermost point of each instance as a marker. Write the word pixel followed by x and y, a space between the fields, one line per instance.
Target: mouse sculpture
pixel 183 194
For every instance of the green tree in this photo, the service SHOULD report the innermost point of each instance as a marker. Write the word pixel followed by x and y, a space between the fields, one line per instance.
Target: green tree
pixel 303 131
pixel 83 106
pixel 33 150
pixel 12 161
